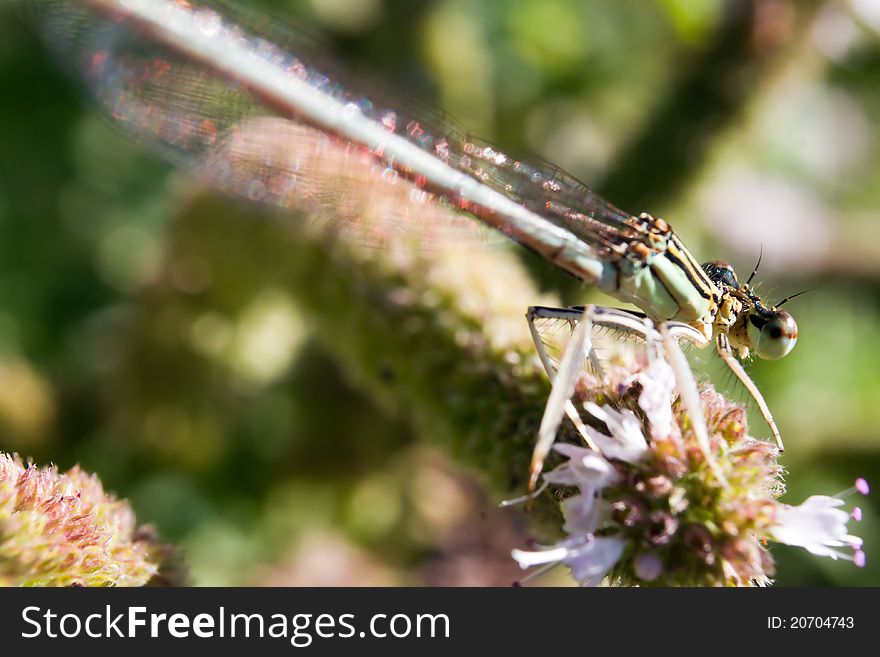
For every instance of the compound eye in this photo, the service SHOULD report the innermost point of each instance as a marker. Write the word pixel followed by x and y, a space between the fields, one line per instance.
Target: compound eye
pixel 721 273
pixel 777 336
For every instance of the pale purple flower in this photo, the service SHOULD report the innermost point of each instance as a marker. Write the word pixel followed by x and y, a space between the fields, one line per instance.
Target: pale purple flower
pixel 589 557
pixel 658 391
pixel 817 525
pixel 594 558
pixel 583 468
pixel 581 513
pixel 590 473
pixel 626 442
pixel 644 494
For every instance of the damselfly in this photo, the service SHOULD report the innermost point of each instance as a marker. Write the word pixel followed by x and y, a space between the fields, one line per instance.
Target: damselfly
pixel 185 77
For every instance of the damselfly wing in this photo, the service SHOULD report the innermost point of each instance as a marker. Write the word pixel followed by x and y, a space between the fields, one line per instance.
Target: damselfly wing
pixel 217 89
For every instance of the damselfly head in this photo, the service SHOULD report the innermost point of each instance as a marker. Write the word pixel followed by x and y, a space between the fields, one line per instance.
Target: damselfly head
pixel 772 332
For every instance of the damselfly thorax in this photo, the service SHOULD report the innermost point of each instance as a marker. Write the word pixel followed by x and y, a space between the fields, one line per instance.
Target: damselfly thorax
pixel 196 80
pixel 651 268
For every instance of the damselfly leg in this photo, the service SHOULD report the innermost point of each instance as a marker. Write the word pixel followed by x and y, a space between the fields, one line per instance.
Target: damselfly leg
pixel 581 351
pixel 722 346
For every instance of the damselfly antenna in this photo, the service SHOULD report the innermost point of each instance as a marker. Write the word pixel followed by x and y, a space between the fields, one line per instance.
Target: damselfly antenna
pixel 757 264
pixel 789 298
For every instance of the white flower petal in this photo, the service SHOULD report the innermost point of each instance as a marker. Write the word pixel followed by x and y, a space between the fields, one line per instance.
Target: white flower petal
pixel 572 451
pixel 594 558
pixel 584 468
pixel 581 513
pixel 627 441
pixel 658 391
pixel 529 558
pixel 817 525
pixel 589 557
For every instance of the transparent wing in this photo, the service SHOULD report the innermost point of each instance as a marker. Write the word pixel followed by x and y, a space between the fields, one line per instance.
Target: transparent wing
pixel 198 114
pixel 612 330
pixel 555 326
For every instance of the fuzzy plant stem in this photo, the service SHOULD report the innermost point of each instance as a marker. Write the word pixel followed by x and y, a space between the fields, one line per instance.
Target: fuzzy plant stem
pixel 435 329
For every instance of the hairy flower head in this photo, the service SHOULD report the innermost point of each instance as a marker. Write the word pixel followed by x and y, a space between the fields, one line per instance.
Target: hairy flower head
pixel 65 530
pixel 643 506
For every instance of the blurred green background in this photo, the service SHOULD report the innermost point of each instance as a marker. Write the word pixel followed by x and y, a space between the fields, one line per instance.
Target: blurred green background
pixel 748 124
